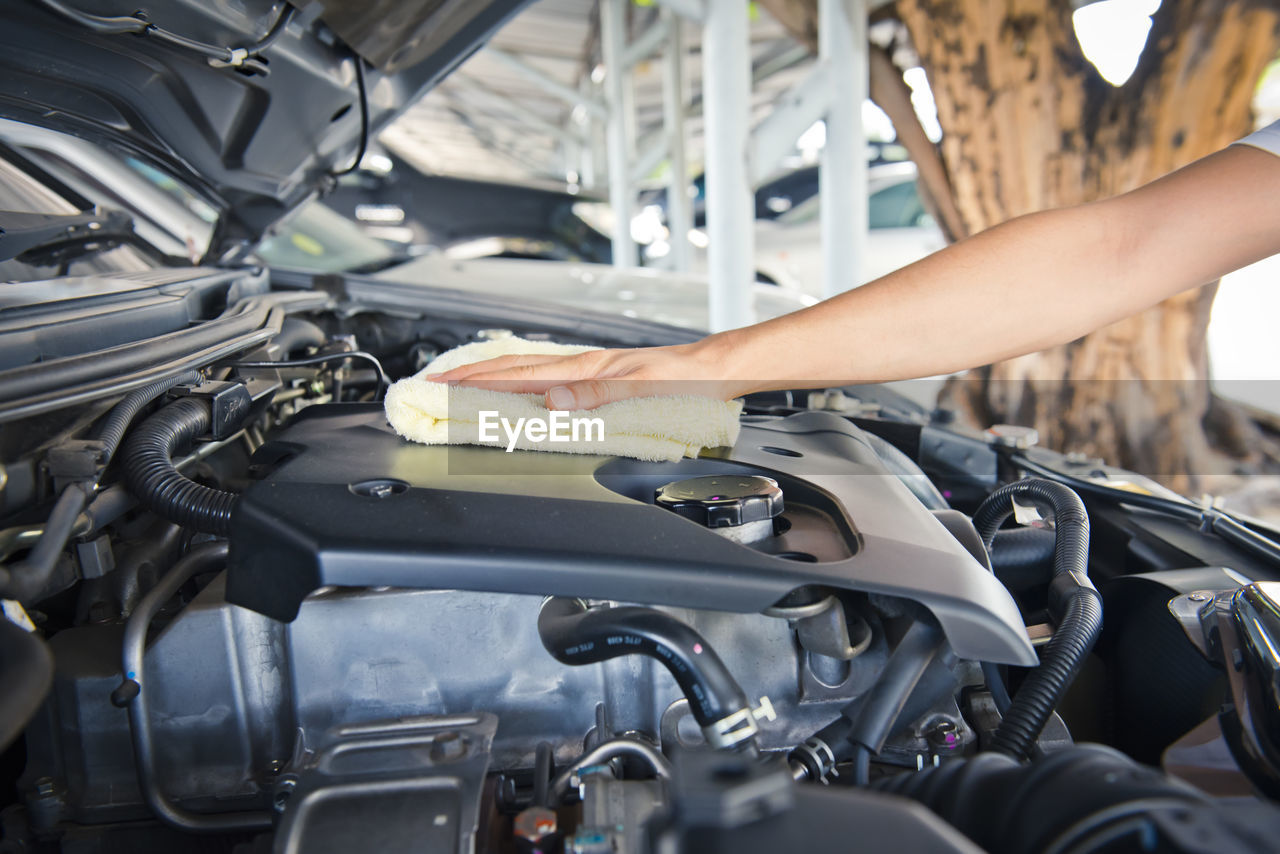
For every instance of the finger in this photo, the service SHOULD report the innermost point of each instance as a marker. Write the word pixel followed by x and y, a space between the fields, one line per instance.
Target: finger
pixel 589 394
pixel 491 365
pixel 528 379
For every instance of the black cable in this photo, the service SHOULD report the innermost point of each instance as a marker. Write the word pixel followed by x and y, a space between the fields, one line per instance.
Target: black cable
pixel 995 684
pixel 1208 519
pixel 862 765
pixel 383 382
pixel 122 414
pixel 544 768
pixel 364 118
pixel 237 57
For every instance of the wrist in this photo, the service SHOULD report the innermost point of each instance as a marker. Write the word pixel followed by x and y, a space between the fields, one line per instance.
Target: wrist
pixel 727 356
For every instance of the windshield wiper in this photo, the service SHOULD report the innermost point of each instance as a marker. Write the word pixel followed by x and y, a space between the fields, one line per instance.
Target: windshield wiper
pixel 44 240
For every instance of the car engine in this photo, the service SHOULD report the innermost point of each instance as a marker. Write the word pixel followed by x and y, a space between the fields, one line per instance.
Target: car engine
pixel 275 623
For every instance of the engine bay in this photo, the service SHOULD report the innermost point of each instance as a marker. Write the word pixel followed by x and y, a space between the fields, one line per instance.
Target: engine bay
pixel 271 621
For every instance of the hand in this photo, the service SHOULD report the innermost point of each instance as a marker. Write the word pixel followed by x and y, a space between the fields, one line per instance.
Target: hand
pixel 591 379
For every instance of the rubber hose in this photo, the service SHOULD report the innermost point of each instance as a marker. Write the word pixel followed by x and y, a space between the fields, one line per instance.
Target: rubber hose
pixel 26 671
pixel 1055 803
pixel 866 723
pixel 1019 547
pixel 574 634
pixel 296 333
pixel 122 415
pixel 27 578
pixel 1071 542
pixel 879 710
pixel 908 471
pixel 1023 557
pixel 148 465
pixel 1078 609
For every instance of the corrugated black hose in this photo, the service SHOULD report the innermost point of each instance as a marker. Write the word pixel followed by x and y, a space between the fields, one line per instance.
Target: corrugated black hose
pixel 121 416
pixel 1073 601
pixel 26 579
pixel 149 469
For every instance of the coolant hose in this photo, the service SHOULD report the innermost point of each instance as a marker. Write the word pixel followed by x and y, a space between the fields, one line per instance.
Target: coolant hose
pixel 1073 600
pixel 575 634
pixel 149 470
pixel 1070 800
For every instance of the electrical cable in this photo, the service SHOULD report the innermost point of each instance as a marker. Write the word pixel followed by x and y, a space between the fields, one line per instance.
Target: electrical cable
pixel 364 118
pixel 236 57
pixel 383 382
pixel 1208 519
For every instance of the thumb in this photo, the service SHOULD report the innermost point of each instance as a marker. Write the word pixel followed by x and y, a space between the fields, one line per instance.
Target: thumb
pixel 589 394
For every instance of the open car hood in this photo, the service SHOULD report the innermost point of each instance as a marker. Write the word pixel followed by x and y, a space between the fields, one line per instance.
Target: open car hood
pixel 256 136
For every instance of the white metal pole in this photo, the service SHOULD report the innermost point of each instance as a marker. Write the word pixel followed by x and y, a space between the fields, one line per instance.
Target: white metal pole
pixel 842 177
pixel 726 99
pixel 620 129
pixel 679 218
pixel 591 134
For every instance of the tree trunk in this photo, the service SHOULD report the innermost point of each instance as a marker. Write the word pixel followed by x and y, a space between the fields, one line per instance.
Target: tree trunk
pixel 1028 125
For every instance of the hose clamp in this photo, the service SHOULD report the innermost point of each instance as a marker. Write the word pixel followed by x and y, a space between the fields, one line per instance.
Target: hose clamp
pixel 737 727
pixel 818 756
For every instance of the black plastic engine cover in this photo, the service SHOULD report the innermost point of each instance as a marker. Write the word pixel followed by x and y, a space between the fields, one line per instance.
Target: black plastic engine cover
pixel 344 501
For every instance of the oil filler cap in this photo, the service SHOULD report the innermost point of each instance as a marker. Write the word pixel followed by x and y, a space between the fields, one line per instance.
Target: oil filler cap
pixel 723 501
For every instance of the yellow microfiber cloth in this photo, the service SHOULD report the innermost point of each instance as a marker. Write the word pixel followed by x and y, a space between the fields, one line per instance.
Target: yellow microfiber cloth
pixel 650 428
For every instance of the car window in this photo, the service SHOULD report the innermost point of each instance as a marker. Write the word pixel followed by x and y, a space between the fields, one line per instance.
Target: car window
pixel 895 206
pixel 319 238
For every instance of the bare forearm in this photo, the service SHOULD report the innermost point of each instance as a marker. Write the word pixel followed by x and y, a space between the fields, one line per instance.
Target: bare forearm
pixel 1001 293
pixel 1031 283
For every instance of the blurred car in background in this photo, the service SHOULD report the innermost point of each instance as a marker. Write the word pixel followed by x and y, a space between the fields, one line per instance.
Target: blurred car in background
pixel 319 240
pixel 789 245
pixel 393 201
pixel 788 228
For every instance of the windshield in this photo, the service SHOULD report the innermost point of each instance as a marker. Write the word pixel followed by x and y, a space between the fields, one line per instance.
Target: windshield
pixel 166 215
pixel 322 240
pixel 24 193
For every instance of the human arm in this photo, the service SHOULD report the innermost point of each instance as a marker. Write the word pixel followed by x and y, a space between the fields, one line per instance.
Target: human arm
pixel 1030 283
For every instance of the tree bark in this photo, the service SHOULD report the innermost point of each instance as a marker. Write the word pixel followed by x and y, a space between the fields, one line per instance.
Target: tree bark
pixel 1030 125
